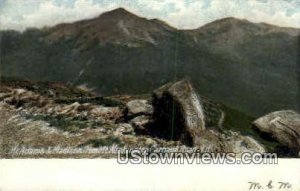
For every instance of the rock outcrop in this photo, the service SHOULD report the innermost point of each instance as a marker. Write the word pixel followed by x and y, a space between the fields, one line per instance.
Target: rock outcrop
pixel 178 112
pixel 283 126
pixel 139 113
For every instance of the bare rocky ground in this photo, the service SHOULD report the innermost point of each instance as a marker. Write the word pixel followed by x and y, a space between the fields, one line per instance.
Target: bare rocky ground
pixel 48 116
pixel 29 119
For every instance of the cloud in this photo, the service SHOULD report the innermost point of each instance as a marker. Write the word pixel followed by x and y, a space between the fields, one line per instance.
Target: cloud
pixel 198 13
pixel 187 14
pixel 49 13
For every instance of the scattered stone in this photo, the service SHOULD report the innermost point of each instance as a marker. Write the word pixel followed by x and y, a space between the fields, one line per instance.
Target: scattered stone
pixel 150 142
pixel 213 141
pixel 239 144
pixel 176 118
pixel 106 112
pixel 19 92
pixel 178 112
pixel 283 126
pixel 4 95
pixel 69 108
pixel 102 130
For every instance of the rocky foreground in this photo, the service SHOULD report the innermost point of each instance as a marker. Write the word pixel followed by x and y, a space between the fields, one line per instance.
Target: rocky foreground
pixel 48 115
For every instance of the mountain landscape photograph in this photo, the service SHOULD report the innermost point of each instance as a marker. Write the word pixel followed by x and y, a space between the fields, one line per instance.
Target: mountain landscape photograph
pixel 209 75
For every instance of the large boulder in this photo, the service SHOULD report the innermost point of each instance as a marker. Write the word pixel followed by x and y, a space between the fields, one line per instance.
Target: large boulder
pixel 138 107
pixel 283 126
pixel 178 112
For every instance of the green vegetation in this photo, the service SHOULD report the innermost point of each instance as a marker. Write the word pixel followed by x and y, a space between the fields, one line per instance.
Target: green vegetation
pixel 48 89
pixel 237 121
pixel 60 122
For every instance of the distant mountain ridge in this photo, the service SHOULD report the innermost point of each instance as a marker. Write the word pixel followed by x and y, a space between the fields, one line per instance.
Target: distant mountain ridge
pixel 251 67
pixel 117 26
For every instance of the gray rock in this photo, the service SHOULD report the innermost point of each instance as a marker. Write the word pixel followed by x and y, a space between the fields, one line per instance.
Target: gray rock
pixel 210 141
pixel 239 144
pixel 138 107
pixel 214 141
pixel 283 126
pixel 178 110
pixel 141 122
pixel 72 108
pixel 102 130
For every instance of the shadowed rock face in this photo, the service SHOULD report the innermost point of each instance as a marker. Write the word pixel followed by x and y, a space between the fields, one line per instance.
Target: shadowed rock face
pixel 178 112
pixel 283 126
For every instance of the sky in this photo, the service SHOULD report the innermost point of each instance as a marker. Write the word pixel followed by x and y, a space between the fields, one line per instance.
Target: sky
pixel 183 14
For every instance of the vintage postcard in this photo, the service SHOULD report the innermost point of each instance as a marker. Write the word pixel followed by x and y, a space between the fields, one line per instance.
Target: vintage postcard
pixel 152 84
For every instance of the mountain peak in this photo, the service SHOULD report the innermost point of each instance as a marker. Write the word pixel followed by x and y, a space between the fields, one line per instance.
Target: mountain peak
pixel 235 25
pixel 115 26
pixel 228 20
pixel 231 19
pixel 119 12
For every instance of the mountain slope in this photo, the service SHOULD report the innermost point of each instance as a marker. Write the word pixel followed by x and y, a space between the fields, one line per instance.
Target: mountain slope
pixel 251 67
pixel 264 67
pixel 117 27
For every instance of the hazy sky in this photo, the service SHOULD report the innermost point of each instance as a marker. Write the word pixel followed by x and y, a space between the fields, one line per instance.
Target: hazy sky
pixel 186 14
